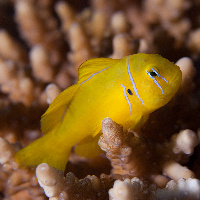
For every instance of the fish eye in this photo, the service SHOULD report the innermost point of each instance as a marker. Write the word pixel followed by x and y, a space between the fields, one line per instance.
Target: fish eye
pixel 152 73
pixel 130 92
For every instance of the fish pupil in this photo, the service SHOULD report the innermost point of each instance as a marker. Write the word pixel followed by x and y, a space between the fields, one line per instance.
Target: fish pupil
pixel 152 73
pixel 130 92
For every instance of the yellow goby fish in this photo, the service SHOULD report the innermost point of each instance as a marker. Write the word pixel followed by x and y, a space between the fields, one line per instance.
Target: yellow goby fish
pixel 127 90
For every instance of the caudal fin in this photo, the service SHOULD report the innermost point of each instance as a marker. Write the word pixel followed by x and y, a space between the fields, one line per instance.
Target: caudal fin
pixel 51 148
pixel 47 149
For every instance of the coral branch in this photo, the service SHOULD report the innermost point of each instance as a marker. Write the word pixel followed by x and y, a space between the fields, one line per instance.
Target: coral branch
pixel 134 188
pixel 132 156
pixel 19 183
pixel 56 186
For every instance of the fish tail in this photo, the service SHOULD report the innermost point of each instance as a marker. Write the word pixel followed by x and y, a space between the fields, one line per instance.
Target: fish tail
pixel 47 149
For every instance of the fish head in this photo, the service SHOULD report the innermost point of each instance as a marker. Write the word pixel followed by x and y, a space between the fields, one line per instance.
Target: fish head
pixel 155 79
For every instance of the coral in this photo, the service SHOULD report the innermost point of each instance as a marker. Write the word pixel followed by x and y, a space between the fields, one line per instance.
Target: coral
pixel 10 49
pixel 173 20
pixel 17 183
pixel 99 29
pixel 188 73
pixel 185 142
pixel 136 189
pixel 123 46
pixel 66 14
pixel 16 83
pixel 42 45
pixel 131 155
pixel 56 186
pixel 119 23
pixel 78 39
pixel 52 91
pixel 194 41
pixel 38 26
pixel 40 62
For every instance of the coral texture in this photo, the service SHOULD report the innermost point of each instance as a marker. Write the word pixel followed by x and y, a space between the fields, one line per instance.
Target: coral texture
pixel 136 189
pixel 17 183
pixel 42 44
pixel 56 186
pixel 132 156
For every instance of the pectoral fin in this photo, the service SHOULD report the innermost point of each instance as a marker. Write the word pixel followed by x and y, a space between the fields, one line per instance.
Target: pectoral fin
pixel 54 115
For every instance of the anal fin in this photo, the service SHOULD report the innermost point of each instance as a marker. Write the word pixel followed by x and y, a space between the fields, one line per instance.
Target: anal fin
pixel 89 147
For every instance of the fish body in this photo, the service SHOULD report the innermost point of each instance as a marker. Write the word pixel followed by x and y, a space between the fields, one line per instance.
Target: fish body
pixel 126 90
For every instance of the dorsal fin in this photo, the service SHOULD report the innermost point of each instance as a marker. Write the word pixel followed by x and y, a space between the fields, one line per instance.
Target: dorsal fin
pixel 93 66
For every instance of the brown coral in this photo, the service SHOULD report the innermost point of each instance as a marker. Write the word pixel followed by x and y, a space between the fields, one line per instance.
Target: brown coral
pixel 10 49
pixel 16 83
pixel 18 183
pixel 42 45
pixel 56 186
pixel 133 156
pixel 137 189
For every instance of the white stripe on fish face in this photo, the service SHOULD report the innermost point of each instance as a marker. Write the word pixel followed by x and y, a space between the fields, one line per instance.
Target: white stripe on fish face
pixel 133 83
pixel 154 80
pixel 127 99
pixel 93 76
pixel 153 70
